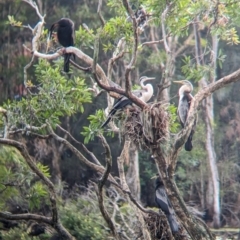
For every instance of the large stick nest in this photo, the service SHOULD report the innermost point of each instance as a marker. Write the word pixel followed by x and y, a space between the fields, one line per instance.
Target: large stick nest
pixel 157 228
pixel 147 127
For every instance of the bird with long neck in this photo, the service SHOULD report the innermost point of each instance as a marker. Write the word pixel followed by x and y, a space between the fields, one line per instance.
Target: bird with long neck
pixel 143 94
pixel 185 98
pixel 165 205
pixel 65 37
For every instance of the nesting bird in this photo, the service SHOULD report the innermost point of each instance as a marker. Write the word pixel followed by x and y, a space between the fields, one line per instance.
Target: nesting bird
pixel 185 98
pixel 65 37
pixel 143 94
pixel 165 205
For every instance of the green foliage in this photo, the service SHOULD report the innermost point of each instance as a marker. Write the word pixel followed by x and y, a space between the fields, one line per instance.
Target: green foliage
pixel 192 71
pixel 13 22
pixel 37 194
pixel 19 233
pixel 117 6
pixel 43 169
pixel 16 179
pixel 82 225
pixel 89 132
pixel 174 123
pixel 13 173
pixel 84 38
pixel 221 58
pixel 115 29
pixel 52 98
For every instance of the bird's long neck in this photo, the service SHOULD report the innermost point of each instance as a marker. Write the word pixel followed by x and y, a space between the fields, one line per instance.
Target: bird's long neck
pixel 185 90
pixel 148 94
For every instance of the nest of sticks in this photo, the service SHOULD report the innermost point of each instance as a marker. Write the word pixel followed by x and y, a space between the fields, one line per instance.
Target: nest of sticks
pixel 147 127
pixel 157 228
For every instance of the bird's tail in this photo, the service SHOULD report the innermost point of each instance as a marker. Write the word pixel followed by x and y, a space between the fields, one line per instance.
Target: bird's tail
pixel 188 144
pixel 112 112
pixel 66 62
pixel 173 223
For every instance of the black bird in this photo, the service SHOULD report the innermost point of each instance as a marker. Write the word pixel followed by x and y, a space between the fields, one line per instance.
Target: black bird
pixel 185 98
pixel 143 94
pixel 165 205
pixel 65 36
pixel 36 229
pixel 141 17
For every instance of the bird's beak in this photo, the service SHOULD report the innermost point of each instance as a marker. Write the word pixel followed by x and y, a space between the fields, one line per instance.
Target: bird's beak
pixel 155 176
pixel 149 78
pixel 179 82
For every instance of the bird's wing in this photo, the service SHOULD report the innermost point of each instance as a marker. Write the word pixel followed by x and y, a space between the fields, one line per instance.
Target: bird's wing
pixel 162 200
pixel 183 108
pixel 121 103
pixel 138 93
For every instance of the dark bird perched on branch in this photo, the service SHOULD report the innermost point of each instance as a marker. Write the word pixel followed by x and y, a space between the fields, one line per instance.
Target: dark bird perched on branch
pixel 143 94
pixel 184 103
pixel 140 15
pixel 165 205
pixel 65 36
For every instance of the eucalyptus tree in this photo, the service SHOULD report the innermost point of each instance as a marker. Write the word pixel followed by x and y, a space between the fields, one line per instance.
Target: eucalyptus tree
pixel 190 32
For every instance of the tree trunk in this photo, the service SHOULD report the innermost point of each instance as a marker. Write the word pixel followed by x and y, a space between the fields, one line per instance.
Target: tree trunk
pixel 132 175
pixel 209 120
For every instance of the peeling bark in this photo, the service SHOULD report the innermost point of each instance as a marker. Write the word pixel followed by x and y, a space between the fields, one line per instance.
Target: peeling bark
pixel 132 175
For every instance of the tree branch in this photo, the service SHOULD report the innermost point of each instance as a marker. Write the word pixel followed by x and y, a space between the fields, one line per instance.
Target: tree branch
pixel 163 18
pixel 81 144
pixel 93 166
pixel 26 216
pixel 101 183
pixel 100 13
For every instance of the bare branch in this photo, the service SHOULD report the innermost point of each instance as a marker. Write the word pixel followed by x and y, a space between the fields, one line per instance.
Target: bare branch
pixel 101 183
pixel 93 166
pixel 134 49
pixel 163 17
pixel 37 32
pixel 100 13
pixel 34 5
pixel 82 145
pixel 26 216
pixel 87 69
pixel 151 43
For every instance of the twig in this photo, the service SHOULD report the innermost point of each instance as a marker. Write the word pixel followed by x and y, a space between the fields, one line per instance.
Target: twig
pixel 87 69
pixel 134 48
pixel 163 18
pixel 101 183
pixel 151 43
pixel 37 32
pixel 100 13
pixel 82 145
pixel 93 166
pixel 26 216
